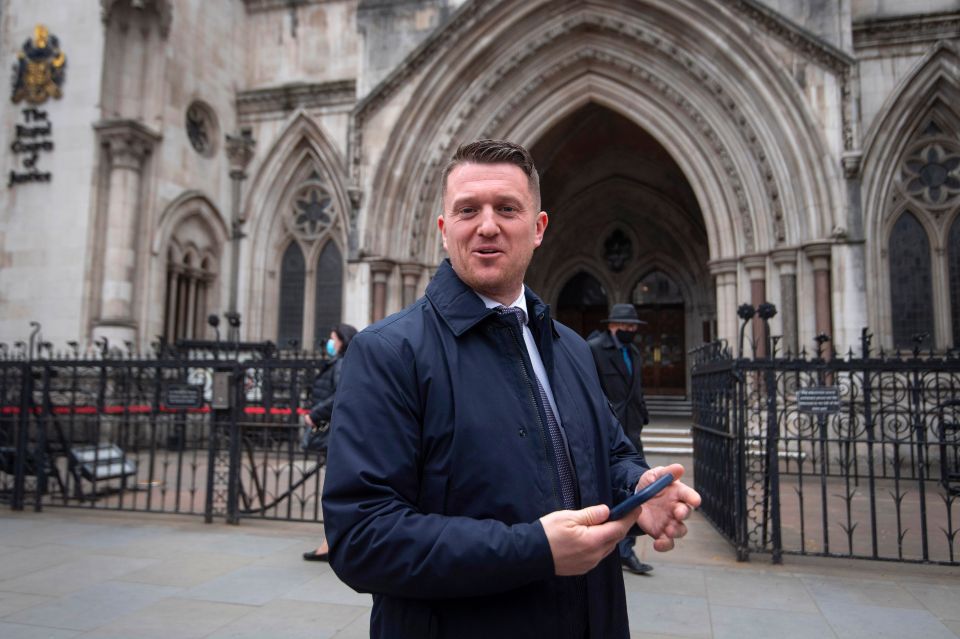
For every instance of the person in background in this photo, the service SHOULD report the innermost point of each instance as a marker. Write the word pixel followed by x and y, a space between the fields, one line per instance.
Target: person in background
pixel 619 365
pixel 322 395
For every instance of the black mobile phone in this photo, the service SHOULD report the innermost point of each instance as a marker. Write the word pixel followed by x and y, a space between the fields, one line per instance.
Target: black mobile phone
pixel 644 494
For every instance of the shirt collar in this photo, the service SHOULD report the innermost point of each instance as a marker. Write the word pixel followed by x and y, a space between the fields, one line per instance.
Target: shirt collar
pixel 520 302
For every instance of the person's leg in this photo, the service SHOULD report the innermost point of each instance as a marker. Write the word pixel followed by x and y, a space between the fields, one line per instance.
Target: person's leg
pixel 628 559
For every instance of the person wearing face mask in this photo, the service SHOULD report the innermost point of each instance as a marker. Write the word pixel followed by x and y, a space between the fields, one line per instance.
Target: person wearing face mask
pixel 619 365
pixel 322 395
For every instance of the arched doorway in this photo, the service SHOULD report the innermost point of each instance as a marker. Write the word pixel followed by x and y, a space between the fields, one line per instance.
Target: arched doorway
pixel 582 303
pixel 623 216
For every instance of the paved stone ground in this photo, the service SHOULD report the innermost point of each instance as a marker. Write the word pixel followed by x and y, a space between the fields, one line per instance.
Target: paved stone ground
pixel 71 573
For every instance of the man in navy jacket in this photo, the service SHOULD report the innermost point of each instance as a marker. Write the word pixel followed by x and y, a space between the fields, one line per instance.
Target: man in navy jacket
pixel 473 456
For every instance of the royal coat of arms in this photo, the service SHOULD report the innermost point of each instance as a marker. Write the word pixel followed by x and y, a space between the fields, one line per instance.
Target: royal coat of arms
pixel 40 69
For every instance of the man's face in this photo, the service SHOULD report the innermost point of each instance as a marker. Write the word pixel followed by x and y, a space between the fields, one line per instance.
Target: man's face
pixel 490 227
pixel 617 326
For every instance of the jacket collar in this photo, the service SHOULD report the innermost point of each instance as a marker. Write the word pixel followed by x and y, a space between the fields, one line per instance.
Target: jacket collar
pixel 462 309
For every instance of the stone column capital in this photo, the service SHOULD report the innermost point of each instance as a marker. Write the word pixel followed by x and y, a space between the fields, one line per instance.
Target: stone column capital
pixel 723 266
pixel 239 148
pixel 380 269
pixel 410 272
pixel 785 259
pixel 127 142
pixel 755 264
pixel 819 254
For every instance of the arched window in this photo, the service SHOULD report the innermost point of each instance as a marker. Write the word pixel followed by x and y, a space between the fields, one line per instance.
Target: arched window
pixel 953 256
pixel 292 280
pixel 329 291
pixel 911 287
pixel 191 277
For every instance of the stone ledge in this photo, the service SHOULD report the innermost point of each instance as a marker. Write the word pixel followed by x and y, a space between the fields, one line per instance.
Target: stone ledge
pixel 289 97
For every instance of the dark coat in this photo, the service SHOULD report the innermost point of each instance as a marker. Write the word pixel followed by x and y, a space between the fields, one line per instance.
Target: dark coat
pixel 439 470
pixel 324 390
pixel 625 391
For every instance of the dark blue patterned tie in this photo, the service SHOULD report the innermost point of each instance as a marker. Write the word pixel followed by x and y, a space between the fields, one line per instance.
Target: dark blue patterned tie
pixel 562 462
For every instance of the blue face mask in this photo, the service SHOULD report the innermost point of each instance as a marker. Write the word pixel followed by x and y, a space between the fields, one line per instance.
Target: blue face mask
pixel 331 348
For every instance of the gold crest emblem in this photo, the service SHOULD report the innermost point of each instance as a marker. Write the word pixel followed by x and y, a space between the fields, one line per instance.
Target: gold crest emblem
pixel 40 69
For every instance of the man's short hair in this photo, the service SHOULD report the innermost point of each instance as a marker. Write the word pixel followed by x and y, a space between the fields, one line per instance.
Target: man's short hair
pixel 496 152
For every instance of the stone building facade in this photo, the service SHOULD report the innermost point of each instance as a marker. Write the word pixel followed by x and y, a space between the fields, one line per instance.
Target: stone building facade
pixel 281 159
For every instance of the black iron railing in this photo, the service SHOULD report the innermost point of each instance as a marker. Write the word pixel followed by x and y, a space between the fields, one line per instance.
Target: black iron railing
pixel 206 432
pixel 852 455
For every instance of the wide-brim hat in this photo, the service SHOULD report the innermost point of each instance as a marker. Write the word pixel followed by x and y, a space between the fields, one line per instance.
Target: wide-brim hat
pixel 623 314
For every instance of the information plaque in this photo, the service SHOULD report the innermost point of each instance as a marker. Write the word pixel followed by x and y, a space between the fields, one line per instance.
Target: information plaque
pixel 819 400
pixel 183 396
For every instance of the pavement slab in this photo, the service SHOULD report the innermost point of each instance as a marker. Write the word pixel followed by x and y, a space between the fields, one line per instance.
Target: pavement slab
pixel 97 575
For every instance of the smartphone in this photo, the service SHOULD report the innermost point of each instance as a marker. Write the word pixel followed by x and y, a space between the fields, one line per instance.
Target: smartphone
pixel 644 494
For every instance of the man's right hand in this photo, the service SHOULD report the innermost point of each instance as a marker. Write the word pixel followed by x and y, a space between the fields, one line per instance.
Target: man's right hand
pixel 579 539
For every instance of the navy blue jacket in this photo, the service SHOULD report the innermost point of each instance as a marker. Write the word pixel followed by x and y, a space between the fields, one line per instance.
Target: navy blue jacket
pixel 439 469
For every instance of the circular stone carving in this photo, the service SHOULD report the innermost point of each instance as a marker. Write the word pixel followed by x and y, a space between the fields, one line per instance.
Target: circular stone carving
pixel 201 127
pixel 931 174
pixel 312 211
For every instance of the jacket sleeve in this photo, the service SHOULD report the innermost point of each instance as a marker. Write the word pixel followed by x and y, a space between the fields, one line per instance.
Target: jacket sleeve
pixel 380 541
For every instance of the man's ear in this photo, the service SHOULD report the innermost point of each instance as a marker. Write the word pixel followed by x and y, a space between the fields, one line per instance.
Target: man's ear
pixel 443 232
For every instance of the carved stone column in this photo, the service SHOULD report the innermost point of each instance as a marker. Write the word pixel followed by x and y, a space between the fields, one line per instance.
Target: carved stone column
pixel 756 266
pixel 786 262
pixel 379 272
pixel 725 272
pixel 819 255
pixel 127 144
pixel 239 150
pixel 411 276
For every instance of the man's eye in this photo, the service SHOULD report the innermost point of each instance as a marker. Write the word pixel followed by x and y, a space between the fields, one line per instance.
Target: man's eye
pixel 508 209
pixel 466 210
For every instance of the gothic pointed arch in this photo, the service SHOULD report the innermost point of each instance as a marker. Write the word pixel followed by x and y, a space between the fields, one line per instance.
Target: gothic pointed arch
pixel 299 194
pixel 186 271
pixel 737 124
pixel 911 165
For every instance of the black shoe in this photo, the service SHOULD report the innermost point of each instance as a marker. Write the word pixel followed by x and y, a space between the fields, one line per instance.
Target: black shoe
pixel 313 555
pixel 636 566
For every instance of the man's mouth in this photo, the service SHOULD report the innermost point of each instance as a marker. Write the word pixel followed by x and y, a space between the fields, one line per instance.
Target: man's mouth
pixel 487 251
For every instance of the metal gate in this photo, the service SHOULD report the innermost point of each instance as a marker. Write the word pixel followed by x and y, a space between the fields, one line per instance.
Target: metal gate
pixel 832 454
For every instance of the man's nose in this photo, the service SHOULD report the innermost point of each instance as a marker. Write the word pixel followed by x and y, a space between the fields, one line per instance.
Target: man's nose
pixel 488 222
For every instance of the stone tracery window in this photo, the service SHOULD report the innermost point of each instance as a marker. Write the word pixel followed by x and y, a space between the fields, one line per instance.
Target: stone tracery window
pixel 911 287
pixel 932 174
pixel 312 210
pixel 310 298
pixel 953 258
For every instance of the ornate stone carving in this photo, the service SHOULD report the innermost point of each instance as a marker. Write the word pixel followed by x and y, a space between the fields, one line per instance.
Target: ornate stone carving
pixel 901 30
pixel 467 17
pixel 239 149
pixel 163 8
pixel 127 142
pixel 298 95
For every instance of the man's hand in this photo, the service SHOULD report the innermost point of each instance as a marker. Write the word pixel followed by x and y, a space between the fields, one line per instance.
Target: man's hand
pixel 662 517
pixel 308 421
pixel 579 539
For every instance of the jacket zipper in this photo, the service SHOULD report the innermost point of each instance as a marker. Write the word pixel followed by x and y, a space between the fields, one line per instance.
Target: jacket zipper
pixel 536 411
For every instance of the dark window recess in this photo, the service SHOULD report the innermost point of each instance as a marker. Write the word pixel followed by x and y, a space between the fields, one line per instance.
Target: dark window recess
pixel 328 301
pixel 617 249
pixel 292 278
pixel 953 256
pixel 656 287
pixel 911 289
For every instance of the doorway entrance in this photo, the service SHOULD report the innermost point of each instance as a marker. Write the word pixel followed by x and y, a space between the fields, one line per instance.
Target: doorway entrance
pixel 659 303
